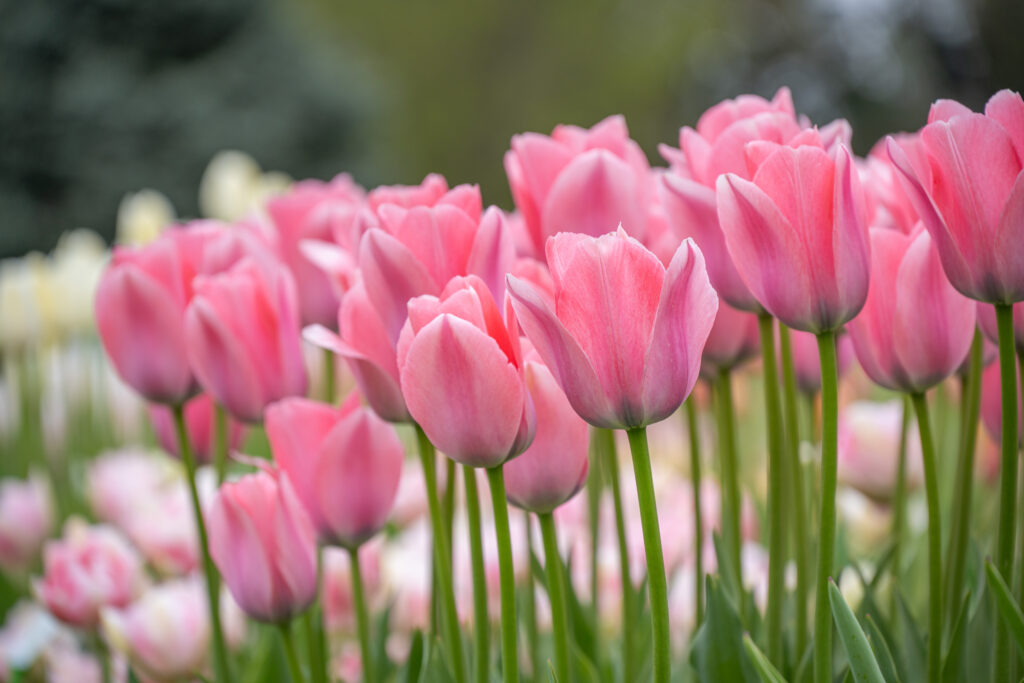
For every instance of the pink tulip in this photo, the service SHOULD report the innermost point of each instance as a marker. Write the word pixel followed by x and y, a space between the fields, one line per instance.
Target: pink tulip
pixel 970 193
pixel 433 191
pixel 807 363
pixel 733 340
pixel 264 545
pixel 579 180
pixel 987 323
pixel 165 634
pixel 869 445
pixel 915 329
pixel 889 205
pixel 199 417
pixel 338 601
pixel 553 469
pixel 797 232
pixel 242 332
pixel 308 212
pixel 625 335
pixel 462 375
pixel 26 518
pixel 345 465
pixel 992 405
pixel 91 567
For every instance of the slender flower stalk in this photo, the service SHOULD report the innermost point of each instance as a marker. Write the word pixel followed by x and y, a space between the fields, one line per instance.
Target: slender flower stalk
pixel 595 487
pixel 801 548
pixel 330 390
pixel 362 615
pixel 656 580
pixel 313 622
pixel 730 475
pixel 827 518
pixel 448 504
pixel 222 671
pixel 606 442
pixel 698 527
pixel 220 437
pixel 294 670
pixel 532 628
pixel 1008 475
pixel 481 620
pixel 442 561
pixel 931 484
pixel 956 555
pixel 899 501
pixel 777 493
pixel 556 591
pixel 509 655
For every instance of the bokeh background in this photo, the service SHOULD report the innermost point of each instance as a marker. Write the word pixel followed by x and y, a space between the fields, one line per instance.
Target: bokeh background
pixel 103 97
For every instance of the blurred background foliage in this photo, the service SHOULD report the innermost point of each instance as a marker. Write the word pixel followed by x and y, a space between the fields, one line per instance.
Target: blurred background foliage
pixel 103 97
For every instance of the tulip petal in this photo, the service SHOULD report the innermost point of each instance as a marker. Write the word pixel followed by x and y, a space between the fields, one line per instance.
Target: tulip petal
pixel 237 550
pixel 850 250
pixel 493 253
pixel 1007 108
pixel 393 275
pixel 594 193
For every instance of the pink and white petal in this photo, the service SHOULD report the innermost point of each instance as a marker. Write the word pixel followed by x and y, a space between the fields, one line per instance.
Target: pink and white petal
pixel 237 549
pixel 493 253
pixel 1008 244
pixel 593 194
pixel 850 249
pixel 392 275
pixel 944 110
pixel 1007 108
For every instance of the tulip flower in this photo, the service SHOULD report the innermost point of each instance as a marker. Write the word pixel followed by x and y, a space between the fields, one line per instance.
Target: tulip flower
pixel 987 323
pixel 807 365
pixel 344 464
pixel 242 335
pixel 991 406
pixel 579 180
pixel 26 517
pixel 89 568
pixel 869 442
pixel 733 340
pixel 199 421
pixel 264 545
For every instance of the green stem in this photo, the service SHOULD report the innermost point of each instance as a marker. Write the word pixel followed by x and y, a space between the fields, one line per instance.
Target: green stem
pixel 220 438
pixel 607 443
pixel 448 504
pixel 931 487
pixel 729 465
pixel 801 548
pixel 698 527
pixel 899 502
pixel 532 630
pixel 313 623
pixel 509 656
pixel 827 518
pixel 221 668
pixel 556 591
pixel 481 620
pixel 956 554
pixel 777 493
pixel 1007 476
pixel 656 580
pixel 1019 578
pixel 594 490
pixel 102 654
pixel 442 561
pixel 362 615
pixel 294 670
pixel 330 391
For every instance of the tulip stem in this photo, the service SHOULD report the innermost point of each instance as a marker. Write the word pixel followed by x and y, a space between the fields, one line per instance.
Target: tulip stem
pixel 595 488
pixel 777 493
pixel 801 548
pixel 294 670
pixel 730 480
pixel 481 620
pixel 442 560
pixel 698 526
pixel 220 437
pixel 532 629
pixel 362 615
pixel 509 656
pixel 956 555
pixel 931 487
pixel 329 377
pixel 313 621
pixel 606 442
pixel 899 502
pixel 1007 476
pixel 656 580
pixel 827 516
pixel 556 591
pixel 221 668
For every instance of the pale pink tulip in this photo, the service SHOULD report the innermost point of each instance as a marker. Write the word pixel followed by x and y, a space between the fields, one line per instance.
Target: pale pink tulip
pixel 807 362
pixel 869 445
pixel 915 329
pixel 987 323
pixel 338 601
pixel 199 419
pixel 733 340
pixel 26 518
pixel 992 405
pixel 433 191
pixel 344 464
pixel 625 335
pixel 264 545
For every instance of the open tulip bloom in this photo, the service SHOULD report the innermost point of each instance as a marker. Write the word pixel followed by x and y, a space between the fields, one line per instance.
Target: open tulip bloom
pixel 526 348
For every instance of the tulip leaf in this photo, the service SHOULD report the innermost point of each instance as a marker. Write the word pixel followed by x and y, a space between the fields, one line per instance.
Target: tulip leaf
pixel 765 669
pixel 953 665
pixel 583 668
pixel 863 665
pixel 717 652
pixel 881 649
pixel 414 662
pixel 912 644
pixel 1008 608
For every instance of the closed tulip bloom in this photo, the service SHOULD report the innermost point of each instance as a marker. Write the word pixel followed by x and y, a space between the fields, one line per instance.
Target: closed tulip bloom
pixel 869 446
pixel 91 567
pixel 625 335
pixel 552 470
pixel 734 339
pixel 242 331
pixel 797 232
pixel 992 405
pixel 26 518
pixel 165 634
pixel 264 545
pixel 345 465
pixel 807 362
pixel 433 191
pixel 462 375
pixel 199 416
pixel 915 329
pixel 987 323
pixel 579 180
pixel 970 194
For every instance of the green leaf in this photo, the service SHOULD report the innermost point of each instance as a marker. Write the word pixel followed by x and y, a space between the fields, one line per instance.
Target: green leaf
pixel 1008 608
pixel 436 670
pixel 551 672
pixel 583 669
pixel 953 665
pixel 912 650
pixel 414 662
pixel 717 652
pixel 767 672
pixel 725 568
pixel 863 665
pixel 882 652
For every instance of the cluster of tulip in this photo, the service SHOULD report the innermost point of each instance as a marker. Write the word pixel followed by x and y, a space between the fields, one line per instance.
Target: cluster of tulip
pixel 517 345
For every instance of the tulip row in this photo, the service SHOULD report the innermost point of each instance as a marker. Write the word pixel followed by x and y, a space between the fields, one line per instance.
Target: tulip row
pixel 498 338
